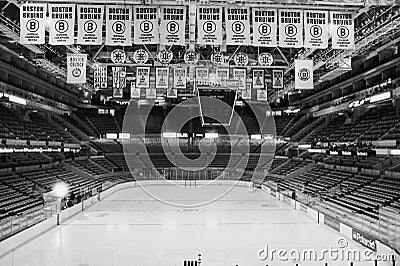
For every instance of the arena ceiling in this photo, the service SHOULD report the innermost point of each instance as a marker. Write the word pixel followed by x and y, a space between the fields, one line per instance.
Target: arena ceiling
pixel 375 27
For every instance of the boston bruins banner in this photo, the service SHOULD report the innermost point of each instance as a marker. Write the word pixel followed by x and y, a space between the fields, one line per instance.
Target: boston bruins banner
pixel 316 29
pixel 265 24
pixel 76 68
pixel 118 25
pixel 90 24
pixel 119 81
pixel 342 29
pixel 277 79
pixel 172 28
pixel 209 29
pixel 62 22
pixel 162 78
pixel 135 91
pixel 303 70
pixel 237 22
pixel 290 28
pixel 146 25
pixel 143 77
pixel 32 23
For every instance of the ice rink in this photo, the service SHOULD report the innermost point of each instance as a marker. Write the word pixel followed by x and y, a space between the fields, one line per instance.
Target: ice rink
pixel 129 228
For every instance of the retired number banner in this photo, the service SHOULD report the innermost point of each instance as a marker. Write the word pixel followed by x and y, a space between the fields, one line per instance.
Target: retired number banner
pixel 143 77
pixel 32 23
pixel 172 28
pixel 118 25
pixel 162 78
pixel 90 24
pixel 76 68
pixel 209 29
pixel 180 75
pixel 146 25
pixel 290 28
pixel 316 29
pixel 303 70
pixel 277 79
pixel 342 27
pixel 100 77
pixel 265 24
pixel 202 75
pixel 135 91
pixel 237 22
pixel 62 22
pixel 119 81
pixel 240 74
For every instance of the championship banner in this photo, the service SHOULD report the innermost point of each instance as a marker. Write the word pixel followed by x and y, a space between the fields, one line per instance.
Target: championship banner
pixel 237 22
pixel 316 29
pixel 62 22
pixel 202 75
pixel 151 93
pixel 258 79
pixel 90 24
pixel 76 68
pixel 172 28
pixel 209 29
pixel 162 78
pixel 222 73
pixel 143 77
pixel 32 23
pixel 277 79
pixel 342 29
pixel 118 25
pixel 265 24
pixel 135 91
pixel 303 71
pixel 240 74
pixel 119 81
pixel 290 28
pixel 180 75
pixel 146 25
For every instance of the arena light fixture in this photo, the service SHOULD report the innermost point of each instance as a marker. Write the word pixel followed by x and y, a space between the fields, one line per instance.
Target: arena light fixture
pixel 169 135
pixel 211 135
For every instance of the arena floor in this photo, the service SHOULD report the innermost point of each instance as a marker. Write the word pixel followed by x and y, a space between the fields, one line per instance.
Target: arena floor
pixel 129 228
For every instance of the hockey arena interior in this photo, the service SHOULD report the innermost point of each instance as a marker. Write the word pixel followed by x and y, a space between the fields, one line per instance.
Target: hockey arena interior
pixel 209 132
